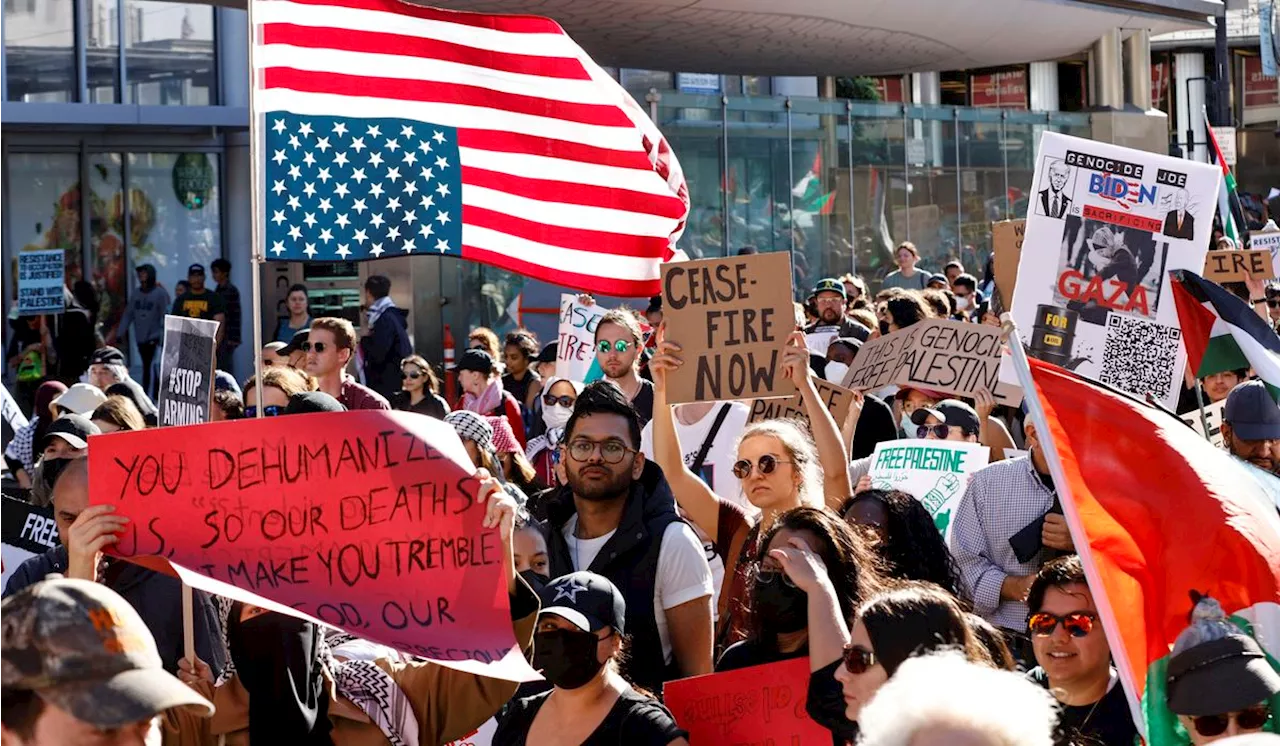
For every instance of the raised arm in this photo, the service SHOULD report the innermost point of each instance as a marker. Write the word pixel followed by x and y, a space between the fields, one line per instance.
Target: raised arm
pixel 699 503
pixel 832 453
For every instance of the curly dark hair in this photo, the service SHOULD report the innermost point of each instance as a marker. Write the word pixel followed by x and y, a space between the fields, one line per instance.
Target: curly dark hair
pixel 524 341
pixel 907 309
pixel 852 566
pixel 913 548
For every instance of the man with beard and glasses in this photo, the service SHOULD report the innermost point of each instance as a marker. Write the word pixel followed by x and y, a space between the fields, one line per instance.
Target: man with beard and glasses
pixel 1251 426
pixel 830 297
pixel 293 682
pixel 617 518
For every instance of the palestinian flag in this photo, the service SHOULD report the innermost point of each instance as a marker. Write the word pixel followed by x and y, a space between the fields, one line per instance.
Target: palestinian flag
pixel 1156 512
pixel 809 192
pixel 1221 332
pixel 1227 190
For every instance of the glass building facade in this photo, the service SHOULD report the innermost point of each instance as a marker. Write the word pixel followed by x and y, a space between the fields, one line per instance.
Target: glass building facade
pixel 125 142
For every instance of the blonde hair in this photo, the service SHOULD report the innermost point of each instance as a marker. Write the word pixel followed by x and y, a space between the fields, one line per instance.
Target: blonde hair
pixel 121 412
pixel 489 339
pixel 288 380
pixel 800 450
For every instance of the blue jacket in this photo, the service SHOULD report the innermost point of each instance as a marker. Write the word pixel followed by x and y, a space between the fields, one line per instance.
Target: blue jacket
pixel 156 597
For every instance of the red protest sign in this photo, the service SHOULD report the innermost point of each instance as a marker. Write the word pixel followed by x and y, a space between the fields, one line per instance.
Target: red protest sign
pixel 367 521
pixel 756 705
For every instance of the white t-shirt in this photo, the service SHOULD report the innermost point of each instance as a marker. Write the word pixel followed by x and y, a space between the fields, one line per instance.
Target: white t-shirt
pixel 717 470
pixel 683 572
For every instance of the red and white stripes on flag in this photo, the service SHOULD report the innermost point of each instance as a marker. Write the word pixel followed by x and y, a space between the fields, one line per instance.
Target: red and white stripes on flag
pixel 565 178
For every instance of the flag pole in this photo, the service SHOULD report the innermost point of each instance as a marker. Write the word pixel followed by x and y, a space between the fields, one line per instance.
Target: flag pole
pixel 1204 417
pixel 1035 411
pixel 256 203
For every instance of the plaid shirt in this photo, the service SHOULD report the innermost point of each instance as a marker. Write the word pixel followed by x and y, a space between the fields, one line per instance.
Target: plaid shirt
pixel 1000 501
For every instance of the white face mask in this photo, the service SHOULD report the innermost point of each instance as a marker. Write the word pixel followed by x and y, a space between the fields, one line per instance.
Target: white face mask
pixel 908 426
pixel 962 304
pixel 835 372
pixel 556 415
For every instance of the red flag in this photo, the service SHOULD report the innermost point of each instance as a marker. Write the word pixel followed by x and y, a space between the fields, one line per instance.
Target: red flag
pixel 1156 512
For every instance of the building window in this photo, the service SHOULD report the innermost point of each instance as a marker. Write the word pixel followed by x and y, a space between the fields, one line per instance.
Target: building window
pixel 638 82
pixel 39 46
pixel 170 53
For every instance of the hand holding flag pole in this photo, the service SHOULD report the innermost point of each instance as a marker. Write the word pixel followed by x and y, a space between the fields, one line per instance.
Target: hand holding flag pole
pixel 1047 437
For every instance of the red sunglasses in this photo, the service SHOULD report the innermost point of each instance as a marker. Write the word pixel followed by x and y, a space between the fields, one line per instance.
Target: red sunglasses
pixel 1077 623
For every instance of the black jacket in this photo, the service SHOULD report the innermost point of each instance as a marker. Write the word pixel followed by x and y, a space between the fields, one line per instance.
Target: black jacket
pixel 156 597
pixel 384 349
pixel 630 560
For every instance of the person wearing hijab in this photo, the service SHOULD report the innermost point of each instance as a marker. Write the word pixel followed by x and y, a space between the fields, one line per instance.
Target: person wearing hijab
pixel 477 437
pixel 20 453
pixel 145 313
pixel 557 399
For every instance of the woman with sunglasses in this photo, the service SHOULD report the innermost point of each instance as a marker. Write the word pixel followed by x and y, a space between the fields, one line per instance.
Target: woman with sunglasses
pixel 1219 682
pixel 903 535
pixel 278 384
pixel 811 565
pixel 558 397
pixel 419 389
pixel 779 467
pixel 908 619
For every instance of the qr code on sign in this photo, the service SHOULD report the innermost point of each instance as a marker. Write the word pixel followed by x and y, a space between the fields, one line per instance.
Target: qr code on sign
pixel 1140 356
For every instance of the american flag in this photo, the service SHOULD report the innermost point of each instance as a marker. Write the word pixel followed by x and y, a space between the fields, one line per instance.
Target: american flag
pixel 389 129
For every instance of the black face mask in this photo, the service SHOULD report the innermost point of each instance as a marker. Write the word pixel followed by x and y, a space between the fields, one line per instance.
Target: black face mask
pixel 884 328
pixel 567 658
pixel 782 607
pixel 536 581
pixel 277 658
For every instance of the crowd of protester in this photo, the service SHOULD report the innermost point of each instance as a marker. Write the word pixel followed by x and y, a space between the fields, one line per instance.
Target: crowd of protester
pixel 647 542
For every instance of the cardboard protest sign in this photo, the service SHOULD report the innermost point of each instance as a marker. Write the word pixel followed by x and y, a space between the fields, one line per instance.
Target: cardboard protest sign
pixel 367 521
pixel 1006 242
pixel 576 349
pixel 935 472
pixel 818 342
pixel 40 282
pixel 1269 242
pixel 731 318
pixel 1213 413
pixel 1105 226
pixel 1230 266
pixel 836 398
pixel 10 417
pixel 756 705
pixel 186 370
pixel 25 531
pixel 940 354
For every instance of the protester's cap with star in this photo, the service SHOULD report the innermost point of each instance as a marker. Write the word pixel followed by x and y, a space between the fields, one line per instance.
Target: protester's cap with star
pixel 587 600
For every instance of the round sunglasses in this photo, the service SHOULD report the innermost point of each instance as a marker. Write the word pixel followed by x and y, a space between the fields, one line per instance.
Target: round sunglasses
pixel 1215 725
pixel 551 400
pixel 1077 623
pixel 858 659
pixel 271 410
pixel 316 347
pixel 622 345
pixel 767 464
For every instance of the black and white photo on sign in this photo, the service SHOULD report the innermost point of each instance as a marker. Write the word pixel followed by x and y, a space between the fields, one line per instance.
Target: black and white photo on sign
pixel 1105 267
pixel 1178 220
pixel 1054 200
pixel 186 370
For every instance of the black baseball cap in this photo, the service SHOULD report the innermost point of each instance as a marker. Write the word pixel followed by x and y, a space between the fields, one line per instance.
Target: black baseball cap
pixel 586 600
pixel 73 428
pixel 305 402
pixel 295 344
pixel 952 412
pixel 107 356
pixel 548 353
pixel 1252 413
pixel 476 360
pixel 195 269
